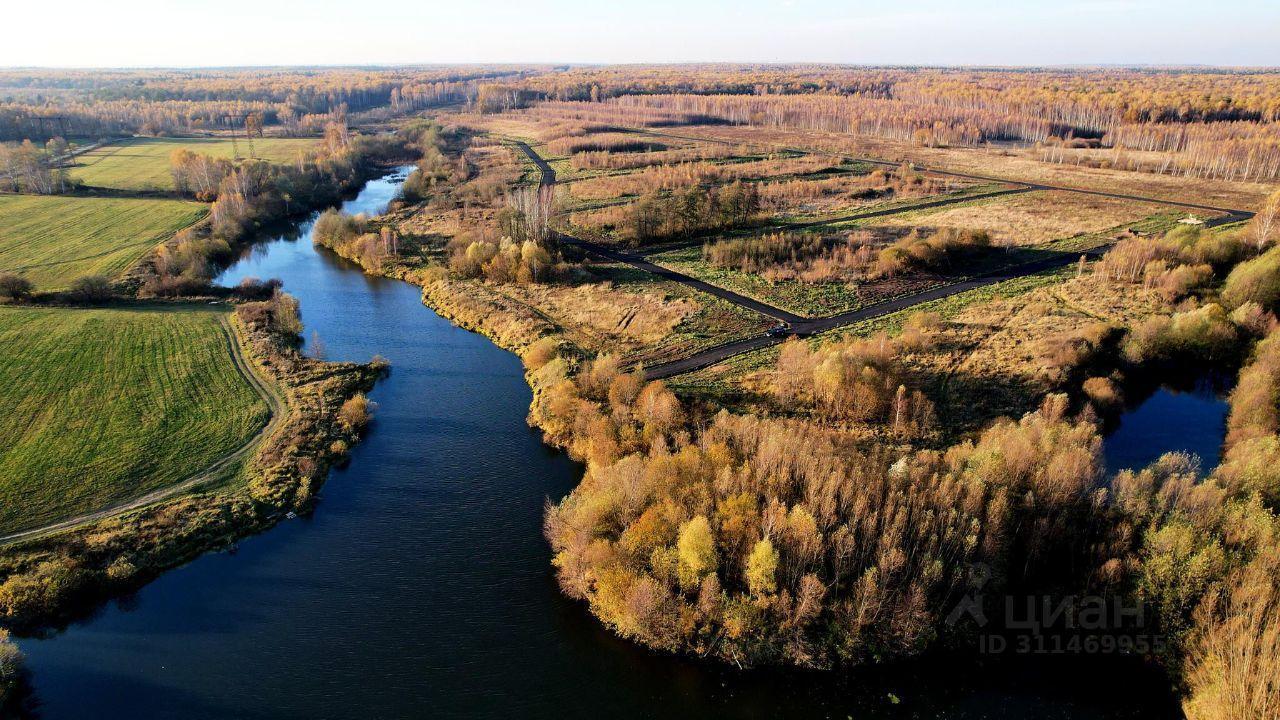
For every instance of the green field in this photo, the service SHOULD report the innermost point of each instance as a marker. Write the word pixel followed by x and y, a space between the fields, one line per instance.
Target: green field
pixel 104 405
pixel 142 164
pixel 54 240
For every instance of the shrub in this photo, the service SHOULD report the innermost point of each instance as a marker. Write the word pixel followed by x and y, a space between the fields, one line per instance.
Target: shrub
pixel 1253 319
pixel 808 258
pixel 10 665
pixel 1128 260
pixel 33 594
pixel 170 286
pixel 1252 465
pixel 1233 667
pixel 1255 401
pixel 355 413
pixel 91 289
pixel 1219 249
pixel 599 376
pixel 754 254
pixel 286 319
pixel 935 251
pixel 334 228
pixel 251 288
pixel 540 352
pixel 1203 335
pixel 1063 353
pixel 14 287
pixel 857 380
pixel 1178 281
pixel 1256 280
pixel 505 261
pixel 1102 392
pixel 1146 258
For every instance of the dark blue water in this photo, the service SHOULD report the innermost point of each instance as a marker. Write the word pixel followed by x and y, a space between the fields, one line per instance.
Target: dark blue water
pixel 1192 420
pixel 421 586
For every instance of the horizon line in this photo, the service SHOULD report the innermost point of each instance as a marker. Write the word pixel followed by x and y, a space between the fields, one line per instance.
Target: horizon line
pixel 563 65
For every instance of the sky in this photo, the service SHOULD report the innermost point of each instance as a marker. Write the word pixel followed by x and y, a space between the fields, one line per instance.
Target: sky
pixel 187 33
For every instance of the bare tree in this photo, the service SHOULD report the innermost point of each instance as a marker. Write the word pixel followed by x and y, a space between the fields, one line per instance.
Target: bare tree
pixel 1266 224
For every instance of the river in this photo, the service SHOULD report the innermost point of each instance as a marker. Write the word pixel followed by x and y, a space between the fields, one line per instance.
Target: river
pixel 421 585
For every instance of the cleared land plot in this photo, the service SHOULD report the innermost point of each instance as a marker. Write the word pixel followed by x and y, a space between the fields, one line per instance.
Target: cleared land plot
pixel 810 299
pixel 105 405
pixel 801 191
pixel 582 158
pixel 631 313
pixel 142 164
pixel 1030 218
pixel 998 163
pixel 992 354
pixel 53 240
pixel 680 175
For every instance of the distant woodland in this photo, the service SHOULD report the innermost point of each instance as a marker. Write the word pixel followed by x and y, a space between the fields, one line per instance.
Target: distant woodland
pixel 1199 123
pixel 822 501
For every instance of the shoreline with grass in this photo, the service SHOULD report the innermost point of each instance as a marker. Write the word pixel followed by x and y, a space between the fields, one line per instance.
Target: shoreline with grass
pixel 59 575
pixel 51 578
pixel 588 414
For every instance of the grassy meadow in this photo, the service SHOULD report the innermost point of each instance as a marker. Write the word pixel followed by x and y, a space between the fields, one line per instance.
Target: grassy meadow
pixel 1028 219
pixel 103 405
pixel 54 240
pixel 142 164
pixel 817 299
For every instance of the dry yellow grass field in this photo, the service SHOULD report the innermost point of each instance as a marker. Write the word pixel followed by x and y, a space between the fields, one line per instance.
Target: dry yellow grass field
pixel 1030 218
pixel 602 315
pixel 1011 165
pixel 633 314
pixel 998 358
pixel 995 352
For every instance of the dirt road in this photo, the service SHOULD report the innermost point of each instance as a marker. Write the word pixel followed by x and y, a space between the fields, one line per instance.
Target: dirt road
pixel 797 325
pixel 216 471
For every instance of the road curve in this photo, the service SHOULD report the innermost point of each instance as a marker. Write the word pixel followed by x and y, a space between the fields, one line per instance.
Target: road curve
pixel 636 261
pixel 275 405
pixel 719 353
pixel 639 262
pixel 808 326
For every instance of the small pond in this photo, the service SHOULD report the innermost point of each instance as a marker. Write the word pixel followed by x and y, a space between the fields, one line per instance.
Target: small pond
pixel 1189 418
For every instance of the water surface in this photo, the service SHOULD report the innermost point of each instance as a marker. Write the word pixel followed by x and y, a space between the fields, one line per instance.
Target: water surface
pixel 1191 419
pixel 421 585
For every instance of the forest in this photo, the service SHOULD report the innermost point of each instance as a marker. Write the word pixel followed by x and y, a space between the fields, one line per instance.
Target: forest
pixel 42 104
pixel 836 348
pixel 826 501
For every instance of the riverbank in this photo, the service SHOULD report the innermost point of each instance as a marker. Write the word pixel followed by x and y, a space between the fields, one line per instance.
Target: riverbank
pixel 476 306
pixel 471 304
pixel 427 569
pixel 54 577
pixel 10 669
pixel 625 586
